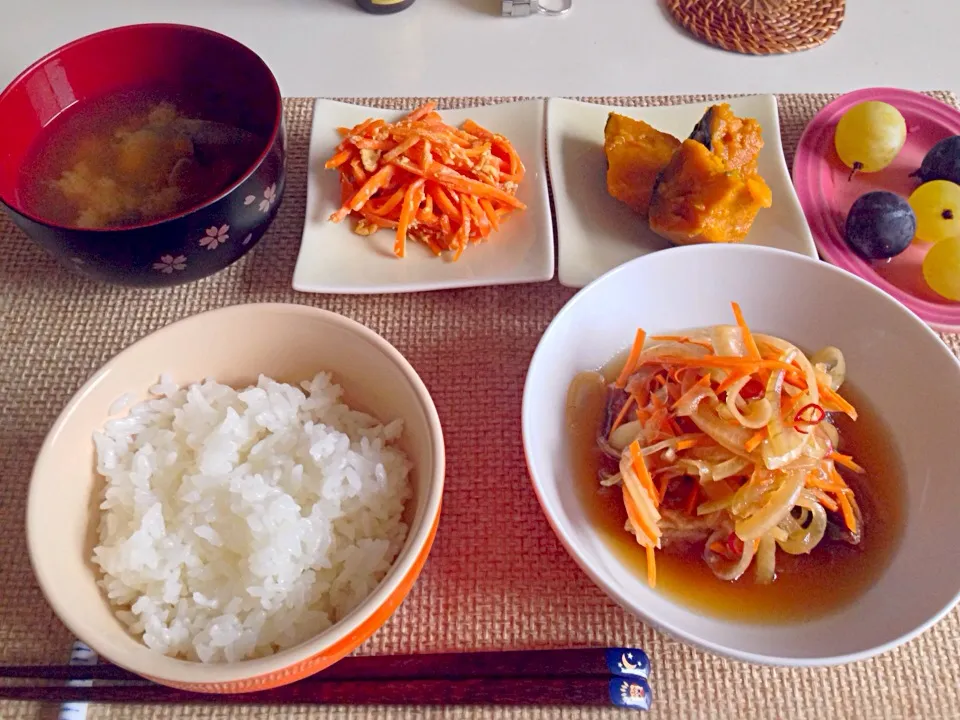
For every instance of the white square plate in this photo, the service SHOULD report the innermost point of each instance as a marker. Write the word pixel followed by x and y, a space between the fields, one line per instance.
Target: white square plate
pixel 334 259
pixel 596 233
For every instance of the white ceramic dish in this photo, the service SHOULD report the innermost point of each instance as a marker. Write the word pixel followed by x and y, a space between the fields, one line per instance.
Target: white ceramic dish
pixel 597 233
pixel 333 259
pixel 898 362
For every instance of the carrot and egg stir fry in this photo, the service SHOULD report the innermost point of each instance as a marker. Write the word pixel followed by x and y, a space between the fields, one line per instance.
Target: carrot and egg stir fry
pixel 442 186
pixel 723 436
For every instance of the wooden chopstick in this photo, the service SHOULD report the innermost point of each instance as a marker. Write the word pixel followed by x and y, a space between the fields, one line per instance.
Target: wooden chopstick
pixel 567 691
pixel 581 662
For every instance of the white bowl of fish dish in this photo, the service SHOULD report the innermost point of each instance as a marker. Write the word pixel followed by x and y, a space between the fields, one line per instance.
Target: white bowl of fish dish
pixel 752 451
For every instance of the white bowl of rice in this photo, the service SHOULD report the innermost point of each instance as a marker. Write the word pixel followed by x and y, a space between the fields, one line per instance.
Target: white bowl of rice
pixel 239 499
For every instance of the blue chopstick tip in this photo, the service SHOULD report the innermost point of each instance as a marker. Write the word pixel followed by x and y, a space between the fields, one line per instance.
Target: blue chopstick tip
pixel 631 693
pixel 628 662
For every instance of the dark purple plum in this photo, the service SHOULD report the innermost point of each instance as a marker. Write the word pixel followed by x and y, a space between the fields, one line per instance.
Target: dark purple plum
pixel 880 225
pixel 942 162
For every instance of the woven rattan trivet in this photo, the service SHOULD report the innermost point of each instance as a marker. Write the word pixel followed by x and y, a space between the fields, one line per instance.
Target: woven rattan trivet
pixel 760 27
pixel 497 576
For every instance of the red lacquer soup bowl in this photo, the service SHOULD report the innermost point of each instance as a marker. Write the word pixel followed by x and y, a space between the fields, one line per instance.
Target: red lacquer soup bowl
pixel 220 80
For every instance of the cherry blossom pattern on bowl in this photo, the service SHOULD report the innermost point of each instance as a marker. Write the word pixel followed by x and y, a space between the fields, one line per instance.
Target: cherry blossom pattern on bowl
pixel 219 242
pixel 826 193
pixel 266 202
pixel 218 236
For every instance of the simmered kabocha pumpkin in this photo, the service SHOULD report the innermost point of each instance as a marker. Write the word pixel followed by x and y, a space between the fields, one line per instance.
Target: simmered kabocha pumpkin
pixel 636 155
pixel 710 191
pixel 735 140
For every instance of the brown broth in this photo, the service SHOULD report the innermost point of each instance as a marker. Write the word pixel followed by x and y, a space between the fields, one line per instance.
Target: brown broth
pixel 125 166
pixel 807 586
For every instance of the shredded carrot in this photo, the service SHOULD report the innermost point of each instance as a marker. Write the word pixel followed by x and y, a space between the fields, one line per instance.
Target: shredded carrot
pixel 411 200
pixel 377 181
pixel 691 504
pixel 443 202
pixel 719 548
pixel 796 381
pixel 636 519
pixel 815 482
pixel 846 461
pixel 390 203
pixel 662 490
pixel 754 442
pixel 640 468
pixel 421 111
pixel 731 378
pixel 461 183
pixel 400 149
pixel 339 158
pixel 379 220
pixel 827 394
pixel 746 365
pixel 686 444
pixel 623 413
pixel 789 412
pixel 356 169
pixel 849 519
pixel 466 180
pixel 836 477
pixel 490 213
pixel 748 340
pixel 702 342
pixel 828 502
pixel 347 190
pixel 632 358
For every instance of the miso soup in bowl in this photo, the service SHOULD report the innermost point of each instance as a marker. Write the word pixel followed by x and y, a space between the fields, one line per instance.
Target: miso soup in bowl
pixel 146 155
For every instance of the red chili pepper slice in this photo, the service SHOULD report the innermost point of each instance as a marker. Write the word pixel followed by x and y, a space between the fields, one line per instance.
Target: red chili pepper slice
pixel 816 415
pixel 735 544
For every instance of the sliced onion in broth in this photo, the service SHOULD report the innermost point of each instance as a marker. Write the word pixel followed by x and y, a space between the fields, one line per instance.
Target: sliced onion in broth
pixel 719 565
pixel 805 533
pixel 766 559
pixel 779 503
pixel 626 434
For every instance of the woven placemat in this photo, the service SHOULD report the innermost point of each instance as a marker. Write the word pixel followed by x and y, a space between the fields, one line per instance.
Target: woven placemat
pixel 497 577
pixel 760 27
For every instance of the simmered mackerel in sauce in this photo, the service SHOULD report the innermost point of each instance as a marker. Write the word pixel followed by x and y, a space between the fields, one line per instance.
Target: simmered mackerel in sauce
pixel 806 586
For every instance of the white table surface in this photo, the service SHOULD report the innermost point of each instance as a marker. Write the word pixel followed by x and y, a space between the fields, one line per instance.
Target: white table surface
pixel 462 47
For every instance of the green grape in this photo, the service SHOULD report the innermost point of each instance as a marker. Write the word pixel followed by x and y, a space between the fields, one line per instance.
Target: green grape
pixel 869 136
pixel 937 207
pixel 941 268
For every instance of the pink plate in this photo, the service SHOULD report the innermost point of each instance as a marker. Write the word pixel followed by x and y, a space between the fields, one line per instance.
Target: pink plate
pixel 826 195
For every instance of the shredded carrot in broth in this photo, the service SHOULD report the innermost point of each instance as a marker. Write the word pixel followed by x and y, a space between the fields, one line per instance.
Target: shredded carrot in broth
pixel 751 344
pixel 632 358
pixel 640 468
pixel 675 392
pixel 623 412
pixel 847 462
pixel 444 187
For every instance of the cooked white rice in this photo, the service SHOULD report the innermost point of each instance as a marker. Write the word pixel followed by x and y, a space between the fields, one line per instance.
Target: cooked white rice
pixel 236 523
